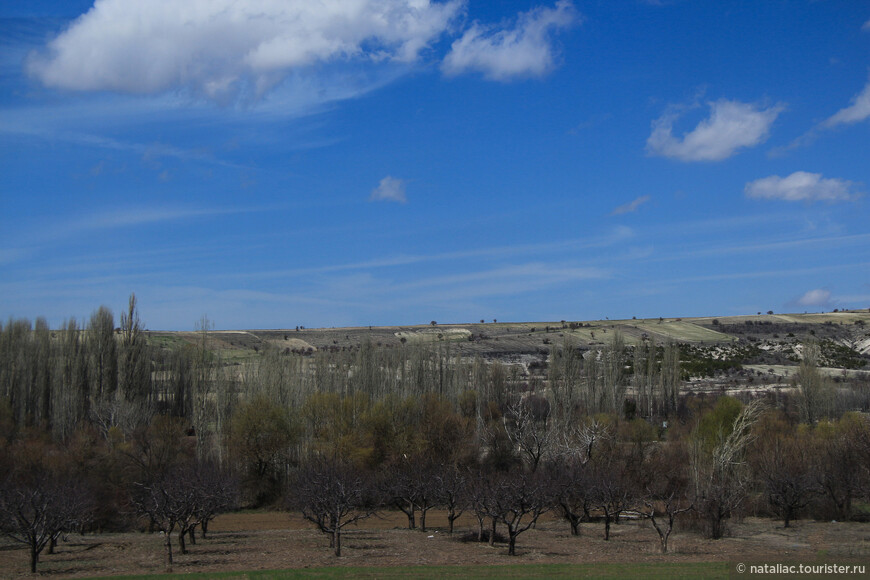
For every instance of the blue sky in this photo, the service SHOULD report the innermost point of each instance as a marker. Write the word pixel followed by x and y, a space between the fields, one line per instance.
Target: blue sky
pixel 274 163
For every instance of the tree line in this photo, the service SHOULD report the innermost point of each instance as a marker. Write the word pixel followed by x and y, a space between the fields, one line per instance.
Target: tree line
pixel 166 438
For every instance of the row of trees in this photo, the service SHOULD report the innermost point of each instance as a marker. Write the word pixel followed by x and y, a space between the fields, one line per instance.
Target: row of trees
pixel 112 376
pixel 736 459
pixel 728 459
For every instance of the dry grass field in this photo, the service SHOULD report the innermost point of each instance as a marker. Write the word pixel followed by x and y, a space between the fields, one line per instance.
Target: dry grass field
pixel 276 541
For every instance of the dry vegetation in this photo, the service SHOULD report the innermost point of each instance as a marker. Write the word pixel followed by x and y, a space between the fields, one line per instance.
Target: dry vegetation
pixel 664 440
pixel 273 541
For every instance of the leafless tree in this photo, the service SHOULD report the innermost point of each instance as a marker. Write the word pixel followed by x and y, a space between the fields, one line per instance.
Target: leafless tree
pixel 451 492
pixel 103 351
pixel 519 499
pixel 482 487
pixel 571 491
pixel 783 465
pixel 333 495
pixel 528 427
pixel 134 362
pixel 721 477
pixel 410 486
pixel 839 465
pixel 612 486
pixel 814 389
pixel 36 507
pixel 666 493
pixel 167 503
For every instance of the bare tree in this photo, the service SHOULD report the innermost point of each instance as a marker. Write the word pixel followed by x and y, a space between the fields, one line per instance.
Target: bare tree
pixel 572 491
pixel 529 429
pixel 410 485
pixel 167 503
pixel 667 491
pixel 103 352
pixel 451 491
pixel 669 379
pixel 134 364
pixel 36 508
pixel 612 487
pixel 333 495
pixel 481 495
pixel 814 389
pixel 839 468
pixel 784 467
pixel 721 476
pixel 519 500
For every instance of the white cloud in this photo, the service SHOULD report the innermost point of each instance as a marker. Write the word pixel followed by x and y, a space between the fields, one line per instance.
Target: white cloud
pixel 800 186
pixel 866 27
pixel 224 49
pixel 858 111
pixel 815 298
pixel 631 206
pixel 732 125
pixel 389 189
pixel 503 54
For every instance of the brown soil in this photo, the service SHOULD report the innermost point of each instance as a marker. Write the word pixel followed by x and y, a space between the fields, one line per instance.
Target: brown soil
pixel 256 541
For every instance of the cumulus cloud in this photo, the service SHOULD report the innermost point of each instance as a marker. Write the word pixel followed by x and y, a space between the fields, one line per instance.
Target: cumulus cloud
pixel 223 48
pixel 857 111
pixel 815 298
pixel 389 189
pixel 801 186
pixel 731 126
pixel 631 206
pixel 525 50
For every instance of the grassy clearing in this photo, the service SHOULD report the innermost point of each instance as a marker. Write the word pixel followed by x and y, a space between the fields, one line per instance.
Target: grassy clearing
pixel 668 571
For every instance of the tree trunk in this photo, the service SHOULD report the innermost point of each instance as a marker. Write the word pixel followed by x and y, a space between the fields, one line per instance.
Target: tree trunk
pixel 492 533
pixel 479 528
pixel 34 558
pixel 168 545
pixel 192 535
pixel 606 526
pixel 512 543
pixel 422 520
pixel 575 526
pixel 336 540
pixel 204 529
pixel 412 522
pixel 181 543
pixel 451 515
pixel 51 544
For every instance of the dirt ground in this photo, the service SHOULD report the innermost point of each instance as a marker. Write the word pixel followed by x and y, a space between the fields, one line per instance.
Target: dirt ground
pixel 267 541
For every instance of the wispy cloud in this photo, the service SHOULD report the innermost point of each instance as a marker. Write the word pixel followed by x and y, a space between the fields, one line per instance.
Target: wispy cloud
pixel 801 186
pixel 616 236
pixel 857 111
pixel 389 189
pixel 502 54
pixel 731 126
pixel 866 26
pixel 770 273
pixel 631 206
pixel 127 218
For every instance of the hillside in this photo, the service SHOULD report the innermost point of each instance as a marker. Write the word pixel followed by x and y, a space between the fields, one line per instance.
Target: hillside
pixel 772 333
